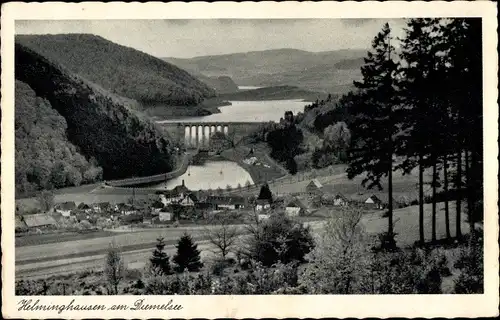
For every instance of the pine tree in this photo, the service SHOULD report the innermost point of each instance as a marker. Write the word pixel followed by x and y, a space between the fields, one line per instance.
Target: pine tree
pixel 420 76
pixel 374 125
pixel 265 192
pixel 188 255
pixel 463 37
pixel 160 259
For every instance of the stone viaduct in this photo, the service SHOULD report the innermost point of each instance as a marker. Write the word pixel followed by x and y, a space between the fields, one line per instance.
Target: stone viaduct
pixel 197 134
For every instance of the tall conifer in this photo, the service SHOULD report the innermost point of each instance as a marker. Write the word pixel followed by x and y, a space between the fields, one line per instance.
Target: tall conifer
pixel 374 126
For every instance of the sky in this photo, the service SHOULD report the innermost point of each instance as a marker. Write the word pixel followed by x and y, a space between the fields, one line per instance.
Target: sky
pixel 191 38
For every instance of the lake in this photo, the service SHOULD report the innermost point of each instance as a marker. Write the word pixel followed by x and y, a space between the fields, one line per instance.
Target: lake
pixel 249 111
pixel 248 87
pixel 210 175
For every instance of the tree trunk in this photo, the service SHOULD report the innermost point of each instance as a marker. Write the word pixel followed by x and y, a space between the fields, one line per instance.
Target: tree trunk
pixel 434 169
pixel 421 199
pixel 446 206
pixel 470 190
pixel 391 230
pixel 458 230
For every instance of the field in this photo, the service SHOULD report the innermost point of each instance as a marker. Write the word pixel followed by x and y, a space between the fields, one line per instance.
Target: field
pixel 259 173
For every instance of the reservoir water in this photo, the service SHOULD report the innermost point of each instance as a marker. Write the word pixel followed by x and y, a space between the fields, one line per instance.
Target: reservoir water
pixel 219 174
pixel 248 87
pixel 210 175
pixel 249 111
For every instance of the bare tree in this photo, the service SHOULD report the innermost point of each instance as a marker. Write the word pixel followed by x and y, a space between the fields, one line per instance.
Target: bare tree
pixel 340 256
pixel 222 233
pixel 46 200
pixel 114 268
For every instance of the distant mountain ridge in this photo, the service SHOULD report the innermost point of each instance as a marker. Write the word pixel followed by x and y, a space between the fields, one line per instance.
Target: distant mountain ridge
pixel 329 71
pixel 119 69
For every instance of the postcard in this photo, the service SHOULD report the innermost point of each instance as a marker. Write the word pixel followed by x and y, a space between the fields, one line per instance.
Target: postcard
pixel 249 160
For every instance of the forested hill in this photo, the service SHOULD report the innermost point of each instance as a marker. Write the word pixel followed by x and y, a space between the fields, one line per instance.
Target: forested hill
pixel 123 143
pixel 44 156
pixel 119 69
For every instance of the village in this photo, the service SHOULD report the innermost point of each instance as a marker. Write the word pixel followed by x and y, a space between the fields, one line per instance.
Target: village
pixel 181 205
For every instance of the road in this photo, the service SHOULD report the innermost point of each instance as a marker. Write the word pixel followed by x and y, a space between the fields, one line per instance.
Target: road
pixel 40 261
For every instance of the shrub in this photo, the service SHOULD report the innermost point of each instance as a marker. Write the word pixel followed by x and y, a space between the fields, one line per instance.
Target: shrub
pixel 471 266
pixel 280 239
pixel 218 266
pixel 415 271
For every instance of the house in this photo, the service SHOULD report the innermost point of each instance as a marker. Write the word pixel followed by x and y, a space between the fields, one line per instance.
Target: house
pixel 263 204
pixel 189 200
pixel 165 216
pixel 338 200
pixel 295 208
pixel 101 207
pixel 84 207
pixel 373 202
pixel 126 209
pixel 65 208
pixel 39 220
pixel 175 195
pixel 226 202
pixel 314 187
pixel 156 207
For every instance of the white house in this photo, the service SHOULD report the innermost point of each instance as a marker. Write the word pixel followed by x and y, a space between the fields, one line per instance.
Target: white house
pixel 65 208
pixel 226 202
pixel 295 208
pixel 175 195
pixel 373 202
pixel 165 216
pixel 262 204
pixel 189 200
pixel 340 200
pixel 262 217
pixel 126 209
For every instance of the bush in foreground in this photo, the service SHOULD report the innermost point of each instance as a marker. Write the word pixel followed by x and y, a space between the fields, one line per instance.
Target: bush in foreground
pixel 279 239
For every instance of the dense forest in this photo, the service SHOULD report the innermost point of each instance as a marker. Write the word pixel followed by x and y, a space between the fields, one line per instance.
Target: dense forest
pixel 44 156
pixel 121 70
pixel 123 142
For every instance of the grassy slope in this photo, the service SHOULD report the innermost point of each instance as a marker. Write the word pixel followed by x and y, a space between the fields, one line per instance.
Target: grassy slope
pixel 119 69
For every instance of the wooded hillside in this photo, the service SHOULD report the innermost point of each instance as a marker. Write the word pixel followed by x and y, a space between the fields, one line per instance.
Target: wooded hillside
pixel 119 69
pixel 123 142
pixel 44 156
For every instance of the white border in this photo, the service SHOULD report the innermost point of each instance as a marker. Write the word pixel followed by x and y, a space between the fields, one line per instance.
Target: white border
pixel 265 306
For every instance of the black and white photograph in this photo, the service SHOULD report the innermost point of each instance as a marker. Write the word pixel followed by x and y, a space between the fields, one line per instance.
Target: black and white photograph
pixel 248 156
